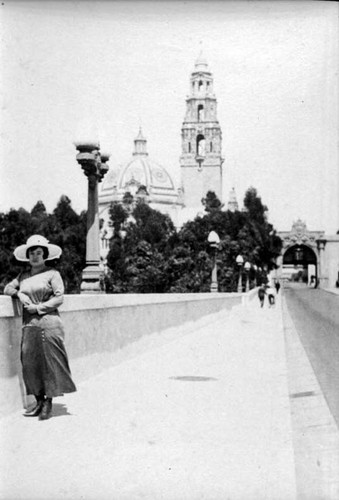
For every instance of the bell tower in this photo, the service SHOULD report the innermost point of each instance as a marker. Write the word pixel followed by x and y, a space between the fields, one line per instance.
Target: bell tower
pixel 201 159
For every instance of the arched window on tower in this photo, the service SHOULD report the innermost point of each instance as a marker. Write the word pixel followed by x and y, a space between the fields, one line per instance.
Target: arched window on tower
pixel 200 113
pixel 201 85
pixel 207 87
pixel 200 145
pixel 189 147
pixel 211 147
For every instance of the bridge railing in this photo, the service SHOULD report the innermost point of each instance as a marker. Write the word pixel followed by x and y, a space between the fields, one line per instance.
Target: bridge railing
pixel 99 328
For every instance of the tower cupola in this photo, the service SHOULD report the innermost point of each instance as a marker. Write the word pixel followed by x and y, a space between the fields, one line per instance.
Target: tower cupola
pixel 232 201
pixel 201 78
pixel 140 145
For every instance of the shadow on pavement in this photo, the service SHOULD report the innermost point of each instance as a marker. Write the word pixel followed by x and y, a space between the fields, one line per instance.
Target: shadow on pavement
pixel 192 378
pixel 60 410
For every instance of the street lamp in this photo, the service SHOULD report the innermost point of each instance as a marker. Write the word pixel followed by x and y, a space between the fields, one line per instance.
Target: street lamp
pixel 123 233
pixel 255 267
pixel 214 240
pixel 247 267
pixel 94 165
pixel 240 260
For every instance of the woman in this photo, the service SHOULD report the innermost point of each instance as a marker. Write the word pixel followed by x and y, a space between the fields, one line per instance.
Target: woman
pixel 44 360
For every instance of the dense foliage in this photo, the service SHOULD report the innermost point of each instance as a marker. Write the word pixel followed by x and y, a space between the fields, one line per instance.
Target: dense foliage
pixel 64 227
pixel 147 255
pixel 139 250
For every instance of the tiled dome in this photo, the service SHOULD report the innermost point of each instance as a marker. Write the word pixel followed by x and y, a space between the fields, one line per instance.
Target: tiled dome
pixel 139 171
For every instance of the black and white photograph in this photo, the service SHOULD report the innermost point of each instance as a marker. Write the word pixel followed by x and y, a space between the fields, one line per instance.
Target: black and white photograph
pixel 169 250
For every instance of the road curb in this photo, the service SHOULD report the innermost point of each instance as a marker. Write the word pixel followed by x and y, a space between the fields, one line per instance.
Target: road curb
pixel 315 434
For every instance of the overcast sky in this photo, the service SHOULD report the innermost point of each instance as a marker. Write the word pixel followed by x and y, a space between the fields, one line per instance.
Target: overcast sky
pixel 108 67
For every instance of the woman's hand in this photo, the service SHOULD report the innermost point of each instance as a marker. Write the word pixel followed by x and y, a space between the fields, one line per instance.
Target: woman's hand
pixel 24 299
pixel 31 308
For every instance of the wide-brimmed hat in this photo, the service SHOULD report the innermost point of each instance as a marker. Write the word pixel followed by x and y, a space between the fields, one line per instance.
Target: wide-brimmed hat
pixel 20 253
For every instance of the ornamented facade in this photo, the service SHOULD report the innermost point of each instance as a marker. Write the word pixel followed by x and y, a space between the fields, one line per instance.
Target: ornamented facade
pixel 201 167
pixel 201 161
pixel 300 235
pixel 313 250
pixel 143 178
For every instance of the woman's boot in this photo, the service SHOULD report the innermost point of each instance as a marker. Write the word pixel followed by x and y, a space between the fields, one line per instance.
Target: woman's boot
pixel 37 408
pixel 46 409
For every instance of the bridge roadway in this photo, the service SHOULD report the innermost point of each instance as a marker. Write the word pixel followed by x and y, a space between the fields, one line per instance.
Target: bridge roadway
pixel 204 412
pixel 315 314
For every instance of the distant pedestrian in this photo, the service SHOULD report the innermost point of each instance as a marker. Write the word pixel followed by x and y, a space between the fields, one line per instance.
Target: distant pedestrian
pixel 277 286
pixel 271 295
pixel 261 295
pixel 40 289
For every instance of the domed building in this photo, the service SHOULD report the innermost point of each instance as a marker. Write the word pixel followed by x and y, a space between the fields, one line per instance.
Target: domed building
pixel 200 164
pixel 142 178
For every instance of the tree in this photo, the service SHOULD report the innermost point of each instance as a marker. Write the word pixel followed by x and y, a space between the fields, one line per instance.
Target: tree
pixel 65 215
pixel 268 242
pixel 38 212
pixel 247 233
pixel 138 255
pixel 118 216
pixel 68 230
pixel 64 227
pixel 253 204
pixel 147 254
pixel 150 256
pixel 15 227
pixel 211 202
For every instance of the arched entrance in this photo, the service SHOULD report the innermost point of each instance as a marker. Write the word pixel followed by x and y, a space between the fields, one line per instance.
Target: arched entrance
pixel 300 264
pixel 301 257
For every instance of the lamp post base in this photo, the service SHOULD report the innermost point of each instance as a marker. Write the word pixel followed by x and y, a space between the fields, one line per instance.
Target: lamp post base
pixel 214 279
pixel 239 289
pixel 92 280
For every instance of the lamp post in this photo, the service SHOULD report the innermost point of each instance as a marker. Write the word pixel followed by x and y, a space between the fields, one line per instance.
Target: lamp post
pixel 320 277
pixel 255 267
pixel 94 165
pixel 247 267
pixel 240 261
pixel 260 276
pixel 214 240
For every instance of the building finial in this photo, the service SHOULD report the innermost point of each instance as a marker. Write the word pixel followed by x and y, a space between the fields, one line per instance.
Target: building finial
pixel 140 135
pixel 140 144
pixel 201 62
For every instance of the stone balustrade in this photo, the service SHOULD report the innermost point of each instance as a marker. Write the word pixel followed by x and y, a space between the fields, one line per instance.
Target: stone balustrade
pixel 101 330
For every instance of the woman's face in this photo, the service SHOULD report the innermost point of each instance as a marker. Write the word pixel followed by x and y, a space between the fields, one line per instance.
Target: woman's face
pixel 36 257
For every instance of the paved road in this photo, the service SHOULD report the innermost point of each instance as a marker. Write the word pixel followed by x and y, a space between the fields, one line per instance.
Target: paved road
pixel 316 316
pixel 201 414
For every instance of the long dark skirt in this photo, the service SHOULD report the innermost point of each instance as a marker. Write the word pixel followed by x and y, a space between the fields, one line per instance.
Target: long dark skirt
pixel 45 366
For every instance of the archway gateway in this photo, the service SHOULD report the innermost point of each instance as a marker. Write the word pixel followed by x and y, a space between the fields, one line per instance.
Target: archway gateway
pixel 300 264
pixel 301 258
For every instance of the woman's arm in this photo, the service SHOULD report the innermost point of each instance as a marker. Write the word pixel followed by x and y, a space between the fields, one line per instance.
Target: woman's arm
pixel 12 289
pixel 58 295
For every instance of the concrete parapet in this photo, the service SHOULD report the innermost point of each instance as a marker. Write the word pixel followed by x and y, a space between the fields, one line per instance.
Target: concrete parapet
pixel 98 330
